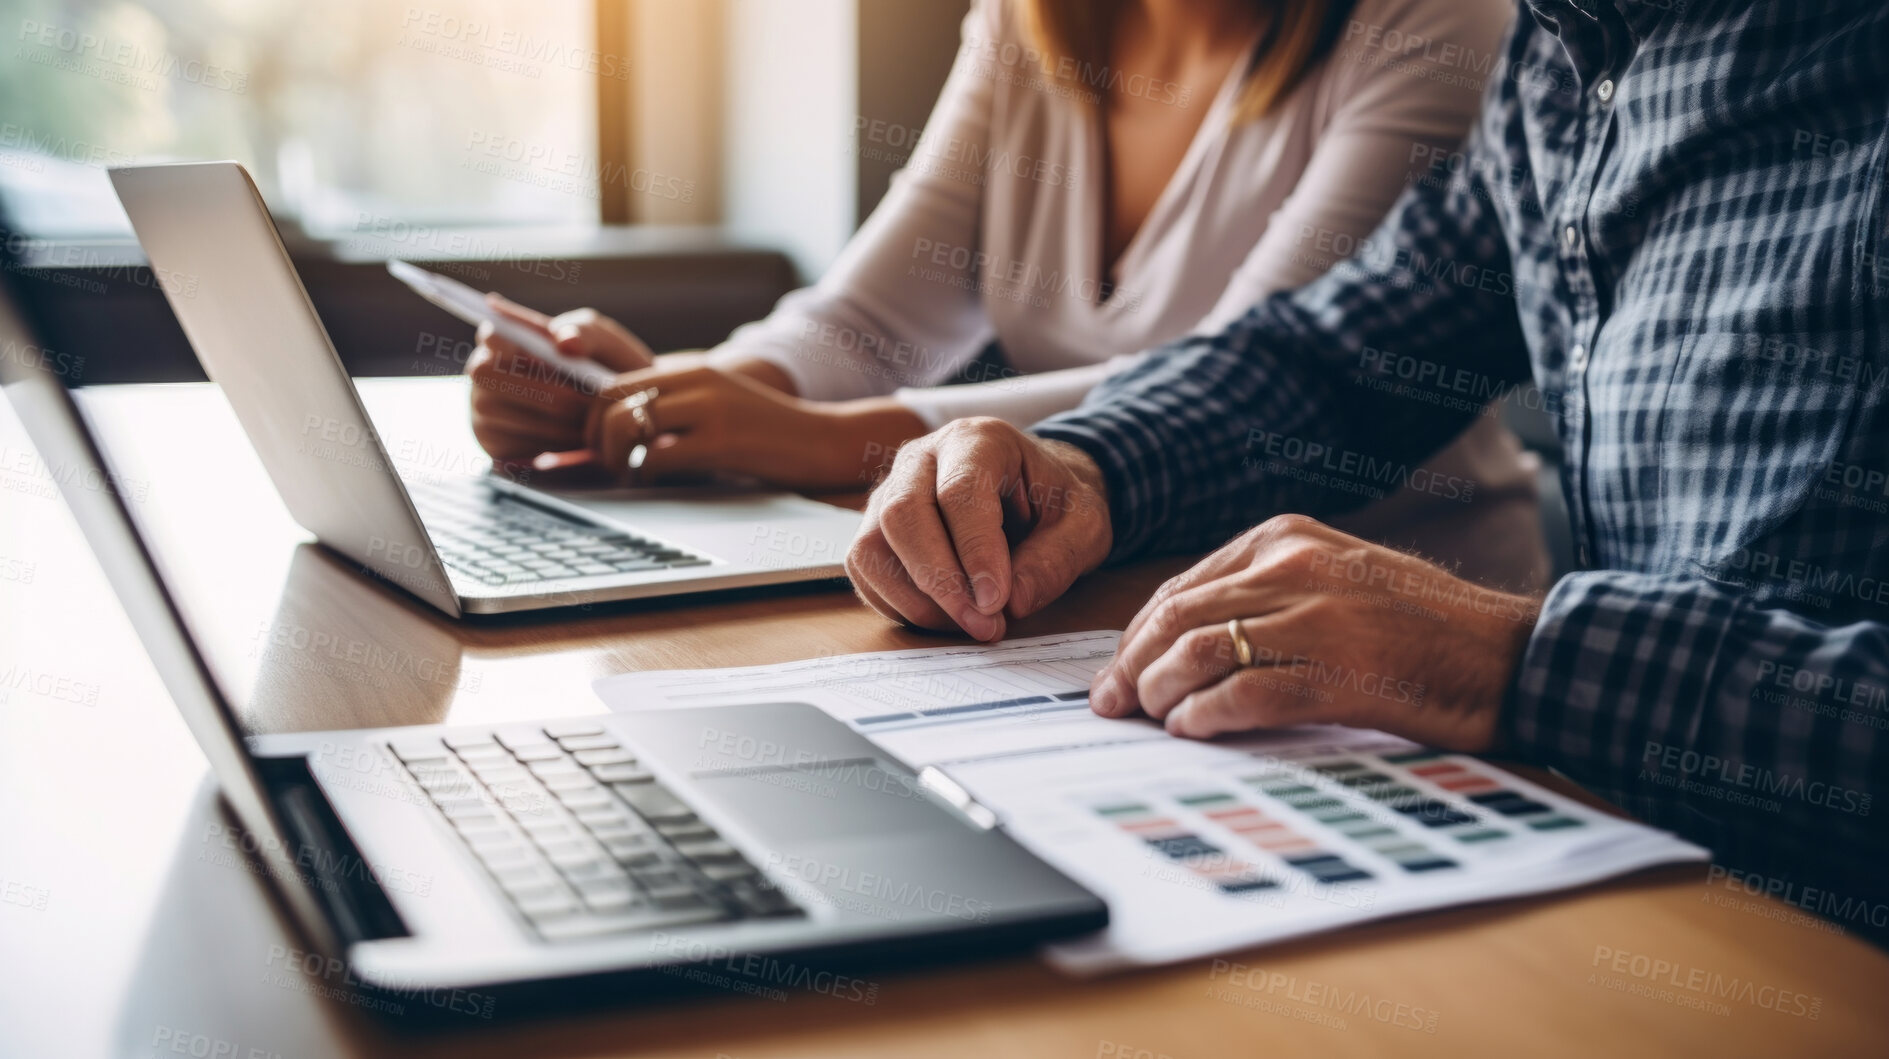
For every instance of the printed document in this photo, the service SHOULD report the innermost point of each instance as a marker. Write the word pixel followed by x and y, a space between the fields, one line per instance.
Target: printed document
pixel 1198 848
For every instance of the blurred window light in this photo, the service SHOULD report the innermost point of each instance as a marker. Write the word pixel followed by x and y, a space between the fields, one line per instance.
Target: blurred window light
pixel 353 115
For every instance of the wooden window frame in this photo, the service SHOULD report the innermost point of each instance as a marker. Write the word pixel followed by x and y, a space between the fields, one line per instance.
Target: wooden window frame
pixel 616 97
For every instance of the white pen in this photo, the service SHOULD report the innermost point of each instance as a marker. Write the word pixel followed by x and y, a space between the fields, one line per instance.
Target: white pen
pixel 471 306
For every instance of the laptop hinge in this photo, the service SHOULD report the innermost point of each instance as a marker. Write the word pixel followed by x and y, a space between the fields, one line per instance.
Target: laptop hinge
pixel 326 861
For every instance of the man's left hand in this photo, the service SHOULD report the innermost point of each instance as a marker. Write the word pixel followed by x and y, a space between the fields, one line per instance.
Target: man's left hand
pixel 1341 631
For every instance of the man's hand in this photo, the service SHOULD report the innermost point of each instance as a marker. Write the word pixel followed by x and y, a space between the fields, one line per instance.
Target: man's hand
pixel 1342 631
pixel 978 521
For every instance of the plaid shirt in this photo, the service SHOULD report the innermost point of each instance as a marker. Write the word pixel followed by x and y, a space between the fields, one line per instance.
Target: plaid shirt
pixel 1671 215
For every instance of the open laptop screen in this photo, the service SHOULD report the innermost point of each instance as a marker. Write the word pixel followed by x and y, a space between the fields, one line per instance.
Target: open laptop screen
pixel 105 504
pixel 296 637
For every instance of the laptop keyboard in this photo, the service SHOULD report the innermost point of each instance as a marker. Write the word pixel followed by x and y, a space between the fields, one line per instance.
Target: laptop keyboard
pixel 493 537
pixel 580 837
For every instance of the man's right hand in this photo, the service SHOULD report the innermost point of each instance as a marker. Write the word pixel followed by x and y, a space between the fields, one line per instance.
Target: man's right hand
pixel 977 522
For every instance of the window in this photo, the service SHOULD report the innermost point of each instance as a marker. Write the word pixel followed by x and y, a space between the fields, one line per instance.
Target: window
pixel 352 114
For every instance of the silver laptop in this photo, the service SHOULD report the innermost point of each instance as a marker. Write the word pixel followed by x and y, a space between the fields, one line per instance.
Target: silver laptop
pixel 467 545
pixel 754 847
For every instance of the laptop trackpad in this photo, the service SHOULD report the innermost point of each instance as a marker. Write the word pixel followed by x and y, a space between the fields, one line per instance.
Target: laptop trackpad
pixel 850 798
pixel 787 771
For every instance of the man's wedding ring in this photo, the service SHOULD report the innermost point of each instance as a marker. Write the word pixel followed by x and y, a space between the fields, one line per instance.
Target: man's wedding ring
pixel 1241 649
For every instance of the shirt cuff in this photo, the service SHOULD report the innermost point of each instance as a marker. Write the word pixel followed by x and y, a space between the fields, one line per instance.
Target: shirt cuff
pixel 1130 488
pixel 922 403
pixel 1615 658
pixel 1019 400
pixel 728 354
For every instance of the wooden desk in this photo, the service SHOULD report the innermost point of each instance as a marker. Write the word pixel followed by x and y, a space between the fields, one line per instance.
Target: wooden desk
pixel 123 934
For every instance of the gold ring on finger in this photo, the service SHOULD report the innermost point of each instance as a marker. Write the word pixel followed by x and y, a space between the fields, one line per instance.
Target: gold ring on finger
pixel 1241 648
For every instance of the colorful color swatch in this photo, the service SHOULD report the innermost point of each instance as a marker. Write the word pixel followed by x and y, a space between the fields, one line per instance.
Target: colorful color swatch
pixel 1327 818
pixel 1227 873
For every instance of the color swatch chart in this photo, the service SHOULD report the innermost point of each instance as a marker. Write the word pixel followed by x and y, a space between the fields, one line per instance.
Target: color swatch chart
pixel 1349 819
pixel 1206 849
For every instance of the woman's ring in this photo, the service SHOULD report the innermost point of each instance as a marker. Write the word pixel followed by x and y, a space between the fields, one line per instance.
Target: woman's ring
pixel 639 405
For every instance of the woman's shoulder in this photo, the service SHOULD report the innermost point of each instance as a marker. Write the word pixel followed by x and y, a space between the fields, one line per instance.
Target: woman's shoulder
pixel 1411 24
pixel 1390 47
pixel 995 22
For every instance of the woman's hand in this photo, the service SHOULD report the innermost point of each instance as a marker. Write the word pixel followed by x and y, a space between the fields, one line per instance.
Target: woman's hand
pixel 690 420
pixel 521 407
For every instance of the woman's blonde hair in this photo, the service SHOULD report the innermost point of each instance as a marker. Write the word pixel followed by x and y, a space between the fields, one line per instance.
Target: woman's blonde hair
pixel 1075 37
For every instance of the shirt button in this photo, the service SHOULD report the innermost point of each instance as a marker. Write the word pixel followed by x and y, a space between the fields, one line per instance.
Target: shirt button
pixel 1570 237
pixel 1581 555
pixel 1577 357
pixel 1605 90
